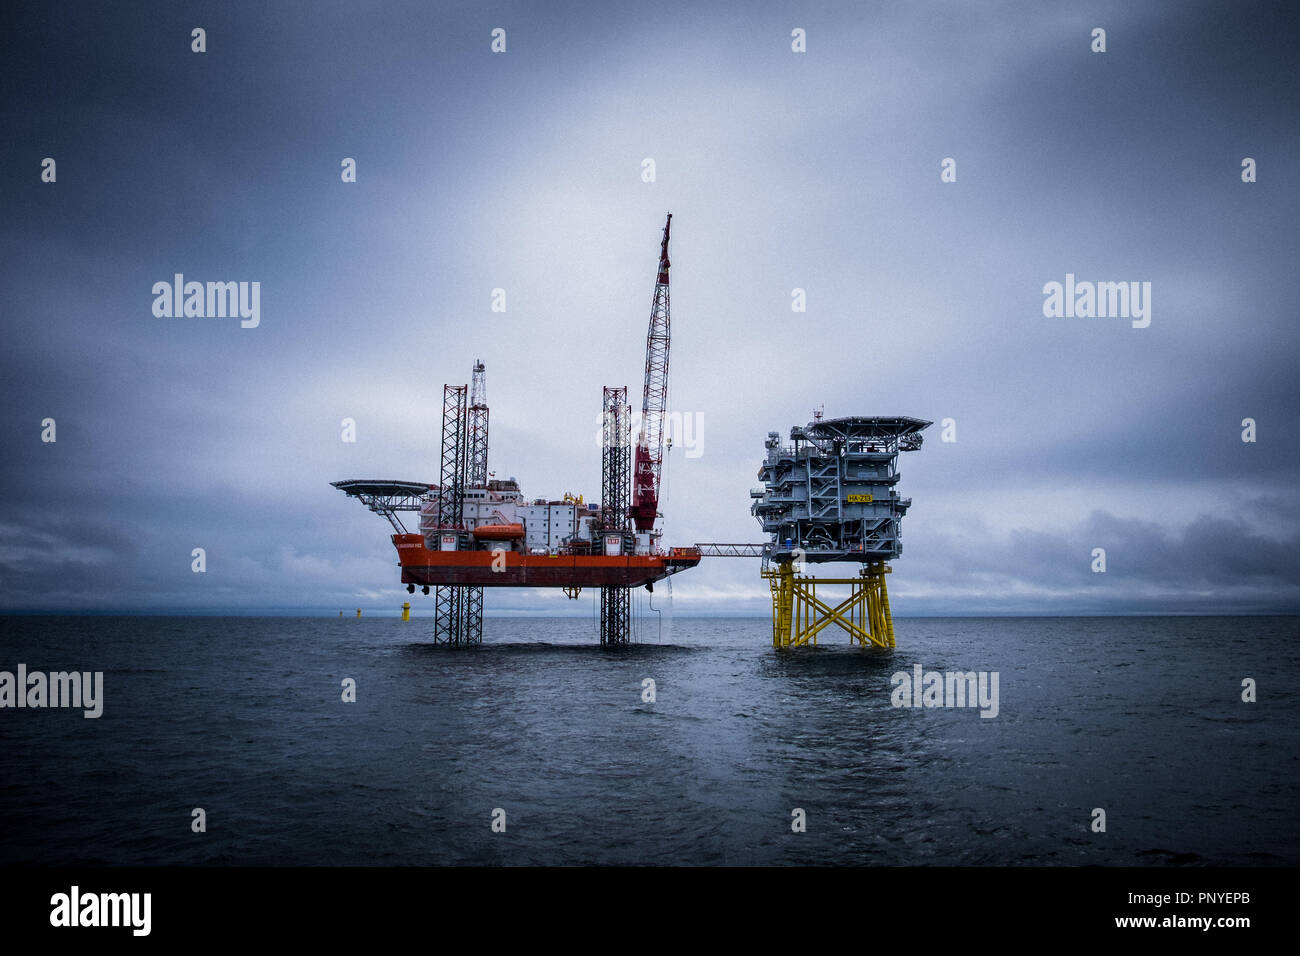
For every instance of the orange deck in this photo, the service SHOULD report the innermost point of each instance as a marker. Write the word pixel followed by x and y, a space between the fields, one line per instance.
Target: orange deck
pixel 420 566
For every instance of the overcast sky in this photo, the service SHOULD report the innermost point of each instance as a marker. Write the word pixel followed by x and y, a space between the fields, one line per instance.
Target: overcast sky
pixel 523 171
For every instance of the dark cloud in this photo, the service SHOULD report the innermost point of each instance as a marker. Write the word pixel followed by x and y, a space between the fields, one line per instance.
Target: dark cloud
pixel 817 171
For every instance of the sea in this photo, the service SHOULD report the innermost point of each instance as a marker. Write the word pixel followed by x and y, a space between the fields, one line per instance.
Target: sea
pixel 230 741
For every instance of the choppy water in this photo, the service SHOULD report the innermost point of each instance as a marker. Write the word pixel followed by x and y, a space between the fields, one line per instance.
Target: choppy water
pixel 243 717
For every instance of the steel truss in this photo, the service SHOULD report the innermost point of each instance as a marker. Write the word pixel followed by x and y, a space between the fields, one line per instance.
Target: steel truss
pixel 457 608
pixel 799 615
pixel 476 472
pixel 615 466
pixel 654 401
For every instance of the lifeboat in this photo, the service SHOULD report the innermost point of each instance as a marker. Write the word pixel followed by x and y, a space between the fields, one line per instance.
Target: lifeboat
pixel 498 532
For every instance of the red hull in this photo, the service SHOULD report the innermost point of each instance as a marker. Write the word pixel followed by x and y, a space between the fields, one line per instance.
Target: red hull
pixel 420 566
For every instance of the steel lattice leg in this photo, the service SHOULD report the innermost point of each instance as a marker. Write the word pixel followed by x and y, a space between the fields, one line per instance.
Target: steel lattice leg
pixel 473 615
pixel 615 616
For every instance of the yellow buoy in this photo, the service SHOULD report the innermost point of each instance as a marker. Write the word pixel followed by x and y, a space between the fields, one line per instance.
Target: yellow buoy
pixel 406 610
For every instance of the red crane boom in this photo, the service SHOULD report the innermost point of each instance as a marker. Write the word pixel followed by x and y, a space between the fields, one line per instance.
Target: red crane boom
pixel 654 402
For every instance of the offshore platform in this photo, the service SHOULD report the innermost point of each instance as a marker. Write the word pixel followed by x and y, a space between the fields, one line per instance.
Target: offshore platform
pixel 476 531
pixel 830 495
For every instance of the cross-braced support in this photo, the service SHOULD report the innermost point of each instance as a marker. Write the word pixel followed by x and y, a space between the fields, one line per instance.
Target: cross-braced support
pixel 473 615
pixel 476 431
pixel 451 484
pixel 457 608
pixel 615 462
pixel 799 615
pixel 615 616
pixel 457 615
